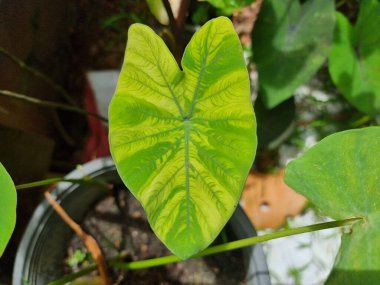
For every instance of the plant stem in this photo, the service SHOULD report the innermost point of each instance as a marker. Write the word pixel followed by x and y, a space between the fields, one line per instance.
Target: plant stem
pixel 340 3
pixel 39 74
pixel 71 277
pixel 114 263
pixel 182 14
pixel 236 244
pixel 87 181
pixel 177 25
pixel 172 20
pixel 50 104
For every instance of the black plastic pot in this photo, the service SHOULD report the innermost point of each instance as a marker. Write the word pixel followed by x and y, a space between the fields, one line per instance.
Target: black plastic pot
pixel 43 246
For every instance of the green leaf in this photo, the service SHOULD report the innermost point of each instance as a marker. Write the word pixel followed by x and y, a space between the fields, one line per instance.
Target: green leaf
pixel 228 6
pixel 78 257
pixel 200 14
pixel 8 201
pixel 290 43
pixel 341 175
pixel 183 141
pixel 354 62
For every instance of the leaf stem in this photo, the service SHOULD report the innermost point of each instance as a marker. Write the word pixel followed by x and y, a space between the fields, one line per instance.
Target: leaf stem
pixel 82 272
pixel 74 276
pixel 40 75
pixel 236 244
pixel 172 20
pixel 177 25
pixel 134 265
pixel 50 104
pixel 86 181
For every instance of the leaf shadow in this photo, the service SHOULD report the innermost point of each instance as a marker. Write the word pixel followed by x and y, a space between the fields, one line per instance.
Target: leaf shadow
pixel 272 124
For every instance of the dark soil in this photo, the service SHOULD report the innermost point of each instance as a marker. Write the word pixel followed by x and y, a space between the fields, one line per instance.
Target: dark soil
pixel 120 226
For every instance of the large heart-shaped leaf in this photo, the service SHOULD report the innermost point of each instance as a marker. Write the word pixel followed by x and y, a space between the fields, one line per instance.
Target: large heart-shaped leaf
pixel 8 201
pixel 228 6
pixel 354 61
pixel 341 175
pixel 183 141
pixel 290 43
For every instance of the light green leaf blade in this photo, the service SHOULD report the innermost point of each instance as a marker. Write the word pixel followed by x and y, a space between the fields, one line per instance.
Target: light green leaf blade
pixel 183 141
pixel 354 61
pixel 341 175
pixel 228 6
pixel 290 43
pixel 8 201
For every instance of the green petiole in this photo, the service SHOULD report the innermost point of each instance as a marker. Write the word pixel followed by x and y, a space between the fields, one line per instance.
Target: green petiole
pixel 134 265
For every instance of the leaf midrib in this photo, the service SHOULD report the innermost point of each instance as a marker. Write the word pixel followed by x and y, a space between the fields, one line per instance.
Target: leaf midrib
pixel 187 124
pixel 187 171
pixel 201 73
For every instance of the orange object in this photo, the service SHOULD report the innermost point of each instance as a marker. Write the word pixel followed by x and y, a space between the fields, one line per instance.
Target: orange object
pixel 267 200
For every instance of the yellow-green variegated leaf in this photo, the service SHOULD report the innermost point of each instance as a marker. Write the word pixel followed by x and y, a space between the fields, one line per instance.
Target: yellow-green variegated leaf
pixel 184 141
pixel 8 201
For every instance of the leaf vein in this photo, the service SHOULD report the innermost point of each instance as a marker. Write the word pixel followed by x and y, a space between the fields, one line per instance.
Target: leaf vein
pixel 215 162
pixel 150 136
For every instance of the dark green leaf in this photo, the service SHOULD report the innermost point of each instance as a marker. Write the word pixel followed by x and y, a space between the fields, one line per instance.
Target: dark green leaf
pixel 290 43
pixel 354 61
pixel 274 125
